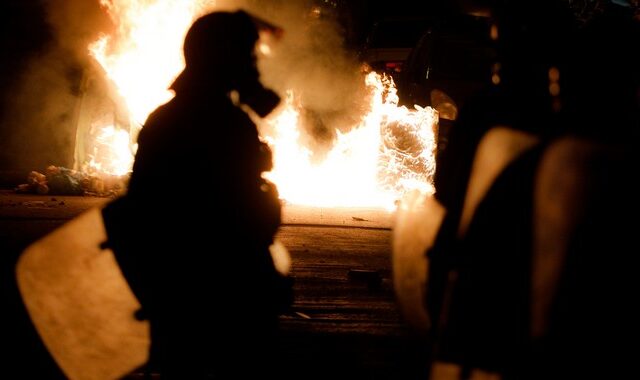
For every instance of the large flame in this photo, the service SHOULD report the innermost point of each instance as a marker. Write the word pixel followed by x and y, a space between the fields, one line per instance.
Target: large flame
pixel 111 151
pixel 389 152
pixel 144 56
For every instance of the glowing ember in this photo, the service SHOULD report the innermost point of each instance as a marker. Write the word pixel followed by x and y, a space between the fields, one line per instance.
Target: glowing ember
pixel 390 151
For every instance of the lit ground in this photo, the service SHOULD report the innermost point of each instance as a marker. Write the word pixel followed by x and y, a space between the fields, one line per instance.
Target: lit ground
pixel 345 321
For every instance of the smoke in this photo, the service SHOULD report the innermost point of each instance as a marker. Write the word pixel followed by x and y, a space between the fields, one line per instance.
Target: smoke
pixel 39 114
pixel 40 109
pixel 42 112
pixel 77 23
pixel 312 60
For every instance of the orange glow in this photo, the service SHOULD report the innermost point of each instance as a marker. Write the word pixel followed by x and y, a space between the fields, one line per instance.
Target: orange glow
pixel 111 152
pixel 389 152
pixel 144 55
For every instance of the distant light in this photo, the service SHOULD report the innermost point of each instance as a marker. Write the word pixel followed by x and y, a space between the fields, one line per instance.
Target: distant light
pixel 554 77
pixel 554 88
pixel 315 12
pixel 495 73
pixel 395 66
pixel 493 33
pixel 264 49
pixel 554 74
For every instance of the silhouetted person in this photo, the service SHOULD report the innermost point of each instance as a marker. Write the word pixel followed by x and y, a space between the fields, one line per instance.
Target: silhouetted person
pixel 592 306
pixel 192 235
pixel 575 251
pixel 480 265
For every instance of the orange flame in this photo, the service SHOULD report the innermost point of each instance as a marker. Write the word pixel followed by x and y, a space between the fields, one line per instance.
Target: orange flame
pixel 144 55
pixel 111 151
pixel 389 152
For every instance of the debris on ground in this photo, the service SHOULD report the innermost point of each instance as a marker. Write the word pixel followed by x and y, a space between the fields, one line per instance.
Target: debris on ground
pixel 59 180
pixel 302 315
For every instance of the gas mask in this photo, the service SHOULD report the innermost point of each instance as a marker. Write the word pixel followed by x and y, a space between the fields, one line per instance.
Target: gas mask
pixel 259 98
pixel 219 54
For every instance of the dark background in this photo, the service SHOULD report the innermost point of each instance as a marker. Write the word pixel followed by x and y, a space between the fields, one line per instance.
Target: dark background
pixel 24 34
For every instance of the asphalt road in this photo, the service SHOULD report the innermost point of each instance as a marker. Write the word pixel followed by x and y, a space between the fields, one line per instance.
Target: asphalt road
pixel 344 323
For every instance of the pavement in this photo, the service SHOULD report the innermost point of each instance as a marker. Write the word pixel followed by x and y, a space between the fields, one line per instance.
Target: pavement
pixel 344 321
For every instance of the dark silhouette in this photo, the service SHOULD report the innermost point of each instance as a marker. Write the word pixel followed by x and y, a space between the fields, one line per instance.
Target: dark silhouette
pixel 479 277
pixel 192 234
pixel 589 305
pixel 536 285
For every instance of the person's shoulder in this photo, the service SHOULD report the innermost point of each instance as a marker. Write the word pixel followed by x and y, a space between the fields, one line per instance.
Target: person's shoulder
pixel 162 113
pixel 159 121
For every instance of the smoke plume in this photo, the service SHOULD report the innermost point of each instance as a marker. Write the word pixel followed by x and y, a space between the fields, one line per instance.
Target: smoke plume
pixel 310 59
pixel 40 108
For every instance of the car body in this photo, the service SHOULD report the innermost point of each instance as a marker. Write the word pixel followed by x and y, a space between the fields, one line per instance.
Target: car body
pixel 453 57
pixel 452 60
pixel 390 42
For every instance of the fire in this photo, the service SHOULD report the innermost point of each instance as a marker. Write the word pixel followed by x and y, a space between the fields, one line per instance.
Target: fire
pixel 144 55
pixel 111 152
pixel 389 152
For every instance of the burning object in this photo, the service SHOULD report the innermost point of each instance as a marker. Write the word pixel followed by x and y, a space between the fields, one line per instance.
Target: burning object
pixel 381 152
pixel 390 151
